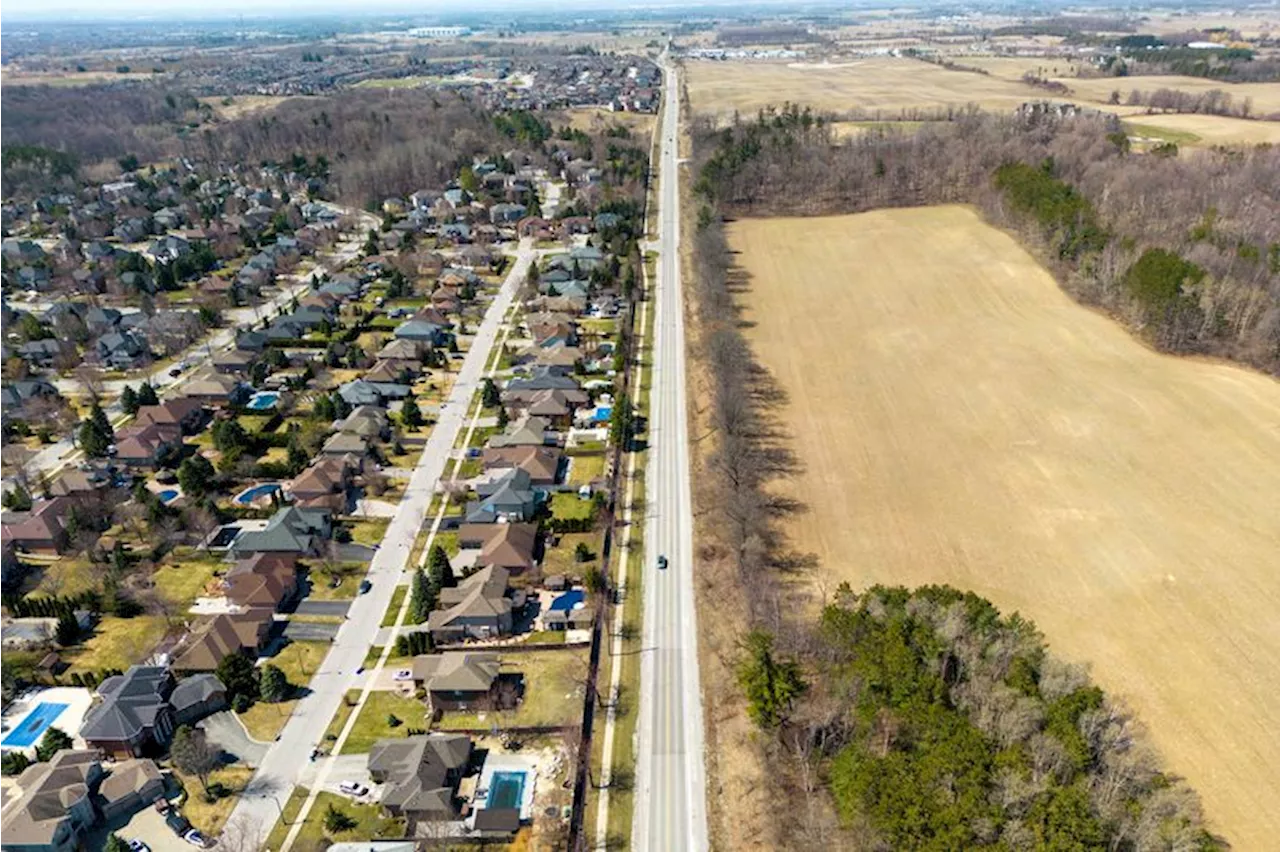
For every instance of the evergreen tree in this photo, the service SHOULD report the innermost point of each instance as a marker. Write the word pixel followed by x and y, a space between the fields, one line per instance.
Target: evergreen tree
pixel 129 400
pixel 196 475
pixel 490 397
pixel 273 685
pixel 147 395
pixel 193 754
pixel 441 570
pixel 410 415
pixel 53 741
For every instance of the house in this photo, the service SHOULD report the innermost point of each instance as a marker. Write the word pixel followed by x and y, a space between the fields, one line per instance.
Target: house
pixel 525 432
pixel 554 406
pixel 509 546
pixel 44 352
pixel 187 414
pixel 77 484
pixel 542 464
pixel 262 581
pixel 40 530
pixel 462 680
pixel 507 496
pixel 121 350
pixel 507 213
pixel 290 530
pixel 132 785
pixel 54 809
pixel 358 392
pixel 344 444
pixel 147 445
pixel 392 372
pixel 324 485
pixel 135 716
pixel 420 775
pixel 543 379
pixel 253 341
pixel 17 395
pixel 220 636
pixel 367 421
pixel 216 390
pixel 401 350
pixel 196 697
pixel 480 607
pixel 101 320
pixel 419 331
pixel 234 361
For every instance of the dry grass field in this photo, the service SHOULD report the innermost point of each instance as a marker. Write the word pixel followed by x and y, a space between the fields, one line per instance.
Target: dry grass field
pixel 887 84
pixel 1265 96
pixel 595 120
pixel 1013 67
pixel 963 421
pixel 238 106
pixel 1205 130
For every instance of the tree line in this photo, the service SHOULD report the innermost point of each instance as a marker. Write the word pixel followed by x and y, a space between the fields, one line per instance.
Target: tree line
pixel 1218 210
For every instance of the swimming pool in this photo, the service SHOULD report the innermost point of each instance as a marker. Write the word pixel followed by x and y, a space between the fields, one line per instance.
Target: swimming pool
pixel 247 496
pixel 263 401
pixel 168 495
pixel 506 790
pixel 568 600
pixel 33 726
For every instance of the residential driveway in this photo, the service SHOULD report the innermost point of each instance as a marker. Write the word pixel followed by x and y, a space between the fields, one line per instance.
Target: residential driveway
pixel 335 608
pixel 149 826
pixel 225 731
pixel 342 767
pixel 370 508
pixel 311 631
pixel 355 553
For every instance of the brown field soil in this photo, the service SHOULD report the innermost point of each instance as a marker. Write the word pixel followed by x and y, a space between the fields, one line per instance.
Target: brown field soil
pixel 963 421
pixel 1265 96
pixel 886 84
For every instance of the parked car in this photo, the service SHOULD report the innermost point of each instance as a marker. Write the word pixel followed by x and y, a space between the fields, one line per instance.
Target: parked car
pixel 136 845
pixel 353 788
pixel 365 586
pixel 195 838
pixel 662 563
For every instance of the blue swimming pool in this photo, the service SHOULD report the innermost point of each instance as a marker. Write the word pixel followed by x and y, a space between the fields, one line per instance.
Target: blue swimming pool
pixel 30 729
pixel 568 600
pixel 168 495
pixel 247 496
pixel 263 401
pixel 506 790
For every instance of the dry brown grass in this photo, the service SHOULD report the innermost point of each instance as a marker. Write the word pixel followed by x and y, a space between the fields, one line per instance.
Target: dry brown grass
pixel 963 421
pixel 242 105
pixel 889 85
pixel 597 120
pixel 1265 96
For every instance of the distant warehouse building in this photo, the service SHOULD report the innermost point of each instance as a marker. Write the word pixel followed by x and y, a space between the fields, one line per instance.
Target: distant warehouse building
pixel 440 32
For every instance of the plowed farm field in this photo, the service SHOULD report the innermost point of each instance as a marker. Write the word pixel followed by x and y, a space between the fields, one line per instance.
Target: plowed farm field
pixel 961 420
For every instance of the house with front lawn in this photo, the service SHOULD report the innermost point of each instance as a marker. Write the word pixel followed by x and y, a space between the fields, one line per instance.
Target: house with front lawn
pixel 358 392
pixel 291 529
pixel 481 606
pixel 461 680
pixel 262 581
pixel 147 445
pixel 509 546
pixel 325 484
pixel 420 331
pixel 140 710
pixel 221 635
pixel 40 530
pixel 503 497
pixel 420 775
pixel 544 465
pixel 187 414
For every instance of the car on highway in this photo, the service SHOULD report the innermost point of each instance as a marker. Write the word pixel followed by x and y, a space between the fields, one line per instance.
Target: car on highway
pixel 353 788
pixel 662 563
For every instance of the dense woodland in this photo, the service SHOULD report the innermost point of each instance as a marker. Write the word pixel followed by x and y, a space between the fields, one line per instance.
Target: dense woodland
pixel 1217 212
pixel 939 724
pixel 925 719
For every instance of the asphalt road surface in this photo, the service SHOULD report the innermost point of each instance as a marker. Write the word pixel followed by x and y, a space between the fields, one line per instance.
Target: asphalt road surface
pixel 671 778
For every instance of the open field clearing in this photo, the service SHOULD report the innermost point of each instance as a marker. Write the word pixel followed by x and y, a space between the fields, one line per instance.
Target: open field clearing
pixel 1204 130
pixel 886 84
pixel 1013 67
pixel 237 106
pixel 1265 96
pixel 596 119
pixel 962 420
pixel 13 77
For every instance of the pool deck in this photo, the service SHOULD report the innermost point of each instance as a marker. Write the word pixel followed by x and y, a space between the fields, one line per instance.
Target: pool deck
pixel 77 699
pixel 512 763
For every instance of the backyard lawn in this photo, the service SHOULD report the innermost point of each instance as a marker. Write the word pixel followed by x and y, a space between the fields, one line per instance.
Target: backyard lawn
pixel 569 506
pixel 185 576
pixel 371 725
pixel 64 575
pixel 553 684
pixel 584 469
pixel 210 817
pixel 117 643
pixel 370 824
pixel 562 558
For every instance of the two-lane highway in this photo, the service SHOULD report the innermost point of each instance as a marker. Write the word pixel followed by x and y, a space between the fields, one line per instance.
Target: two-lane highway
pixel 671 777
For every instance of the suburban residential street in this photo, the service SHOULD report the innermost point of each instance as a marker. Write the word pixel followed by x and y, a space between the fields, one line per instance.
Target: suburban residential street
pixel 257 810
pixel 671 778
pixel 53 458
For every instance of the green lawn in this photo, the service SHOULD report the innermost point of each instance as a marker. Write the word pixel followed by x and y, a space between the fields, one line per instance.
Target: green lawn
pixel 584 469
pixel 369 531
pixel 1163 134
pixel 562 559
pixel 117 643
pixel 254 422
pixel 569 506
pixel 185 576
pixel 300 660
pixel 553 684
pixel 348 574
pixel 393 608
pixel 371 725
pixel 210 817
pixel 65 575
pixel 370 823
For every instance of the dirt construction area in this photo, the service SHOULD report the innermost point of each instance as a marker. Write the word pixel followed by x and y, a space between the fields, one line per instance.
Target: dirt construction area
pixel 962 420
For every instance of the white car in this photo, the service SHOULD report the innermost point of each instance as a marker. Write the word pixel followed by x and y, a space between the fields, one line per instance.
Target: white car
pixel 353 788
pixel 138 846
pixel 195 838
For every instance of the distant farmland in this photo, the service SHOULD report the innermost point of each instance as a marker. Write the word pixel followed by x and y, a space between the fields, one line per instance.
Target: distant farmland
pixel 963 421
